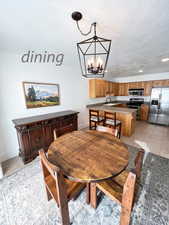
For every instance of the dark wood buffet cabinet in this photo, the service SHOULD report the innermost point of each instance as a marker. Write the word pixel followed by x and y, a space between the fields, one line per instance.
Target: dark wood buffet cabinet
pixel 37 132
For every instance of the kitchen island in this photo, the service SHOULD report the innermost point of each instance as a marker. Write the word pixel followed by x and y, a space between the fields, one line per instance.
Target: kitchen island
pixel 126 115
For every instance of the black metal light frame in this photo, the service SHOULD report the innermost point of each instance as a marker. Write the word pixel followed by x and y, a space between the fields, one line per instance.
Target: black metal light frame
pixel 83 54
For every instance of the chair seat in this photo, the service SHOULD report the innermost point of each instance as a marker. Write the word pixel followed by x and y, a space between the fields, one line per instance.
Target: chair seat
pixel 95 118
pixel 71 187
pixel 114 188
pixel 112 122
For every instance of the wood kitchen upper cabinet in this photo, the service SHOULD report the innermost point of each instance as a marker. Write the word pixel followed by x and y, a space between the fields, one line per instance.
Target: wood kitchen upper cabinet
pixel 160 83
pixel 166 83
pixel 100 88
pixel 133 85
pixel 140 84
pixel 147 88
pixel 97 88
pixel 123 89
pixel 126 89
pixel 113 88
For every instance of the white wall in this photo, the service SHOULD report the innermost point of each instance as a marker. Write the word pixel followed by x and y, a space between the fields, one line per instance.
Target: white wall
pixel 73 91
pixel 144 77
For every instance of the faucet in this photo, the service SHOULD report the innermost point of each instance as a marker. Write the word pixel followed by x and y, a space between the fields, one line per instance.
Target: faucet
pixel 108 97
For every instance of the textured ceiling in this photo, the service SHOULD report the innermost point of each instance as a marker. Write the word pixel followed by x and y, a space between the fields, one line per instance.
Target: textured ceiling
pixel 139 30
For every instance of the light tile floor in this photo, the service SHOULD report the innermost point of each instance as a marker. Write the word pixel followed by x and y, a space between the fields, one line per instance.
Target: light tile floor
pixel 152 138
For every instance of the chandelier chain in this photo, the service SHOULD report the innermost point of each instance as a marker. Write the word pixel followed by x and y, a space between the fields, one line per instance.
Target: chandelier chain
pixel 91 26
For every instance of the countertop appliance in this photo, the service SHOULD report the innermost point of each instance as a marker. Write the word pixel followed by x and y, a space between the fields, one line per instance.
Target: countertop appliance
pixel 135 103
pixel 136 91
pixel 159 106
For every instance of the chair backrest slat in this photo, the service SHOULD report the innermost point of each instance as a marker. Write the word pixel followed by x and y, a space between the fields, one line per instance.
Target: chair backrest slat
pixel 109 115
pixel 109 130
pixel 93 113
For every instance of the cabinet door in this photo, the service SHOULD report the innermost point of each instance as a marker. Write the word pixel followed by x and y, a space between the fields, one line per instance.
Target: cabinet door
pixel 67 124
pixel 126 89
pixel 48 130
pixel 107 87
pixel 97 88
pixel 116 89
pixel 166 82
pixel 158 83
pixel 140 84
pixel 133 85
pixel 92 88
pixel 147 88
pixel 103 86
pixel 144 111
pixel 36 139
pixel 122 89
pixel 112 88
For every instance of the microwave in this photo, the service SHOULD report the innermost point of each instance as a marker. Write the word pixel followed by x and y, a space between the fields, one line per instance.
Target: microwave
pixel 136 91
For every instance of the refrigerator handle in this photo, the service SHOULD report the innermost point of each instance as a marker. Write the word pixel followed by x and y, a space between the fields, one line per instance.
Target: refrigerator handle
pixel 159 102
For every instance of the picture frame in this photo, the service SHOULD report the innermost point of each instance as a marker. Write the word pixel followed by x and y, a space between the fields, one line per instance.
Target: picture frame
pixel 41 94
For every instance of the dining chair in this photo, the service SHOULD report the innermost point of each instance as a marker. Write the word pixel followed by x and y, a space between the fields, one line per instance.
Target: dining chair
pixel 109 130
pixel 58 187
pixel 94 118
pixel 111 121
pixel 122 189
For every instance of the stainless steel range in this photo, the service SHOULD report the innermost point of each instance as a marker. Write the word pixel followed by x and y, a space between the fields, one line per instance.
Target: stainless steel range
pixel 135 103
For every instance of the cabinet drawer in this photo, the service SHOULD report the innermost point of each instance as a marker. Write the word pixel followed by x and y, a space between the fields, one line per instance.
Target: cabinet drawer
pixel 67 120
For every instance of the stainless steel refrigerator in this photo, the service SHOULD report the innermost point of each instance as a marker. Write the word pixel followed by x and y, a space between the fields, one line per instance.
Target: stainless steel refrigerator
pixel 159 106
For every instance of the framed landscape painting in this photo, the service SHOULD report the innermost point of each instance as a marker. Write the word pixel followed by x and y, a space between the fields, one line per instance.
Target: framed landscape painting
pixel 41 94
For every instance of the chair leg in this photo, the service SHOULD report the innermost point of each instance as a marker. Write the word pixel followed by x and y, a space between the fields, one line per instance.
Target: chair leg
pixel 90 124
pixel 63 201
pixel 93 195
pixel 127 199
pixel 65 214
pixel 88 193
pixel 120 131
pixel 49 197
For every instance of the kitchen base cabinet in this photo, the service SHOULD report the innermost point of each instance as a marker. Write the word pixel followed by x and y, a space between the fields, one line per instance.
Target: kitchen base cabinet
pixel 144 112
pixel 37 132
pixel 128 123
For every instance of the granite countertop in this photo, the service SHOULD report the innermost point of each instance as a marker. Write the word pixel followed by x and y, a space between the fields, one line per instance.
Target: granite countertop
pixel 32 119
pixel 103 107
pixel 102 103
pixel 113 102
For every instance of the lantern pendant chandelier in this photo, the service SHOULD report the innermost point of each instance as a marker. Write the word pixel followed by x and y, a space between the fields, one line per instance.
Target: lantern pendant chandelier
pixel 93 52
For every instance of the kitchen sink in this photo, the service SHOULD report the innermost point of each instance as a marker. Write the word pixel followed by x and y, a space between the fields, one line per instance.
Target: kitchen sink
pixel 112 104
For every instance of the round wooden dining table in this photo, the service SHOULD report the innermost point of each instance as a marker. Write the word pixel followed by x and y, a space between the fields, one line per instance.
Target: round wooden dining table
pixel 89 156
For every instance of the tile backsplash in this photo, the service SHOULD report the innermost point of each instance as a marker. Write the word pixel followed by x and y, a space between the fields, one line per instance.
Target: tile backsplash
pixel 126 98
pixel 116 98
